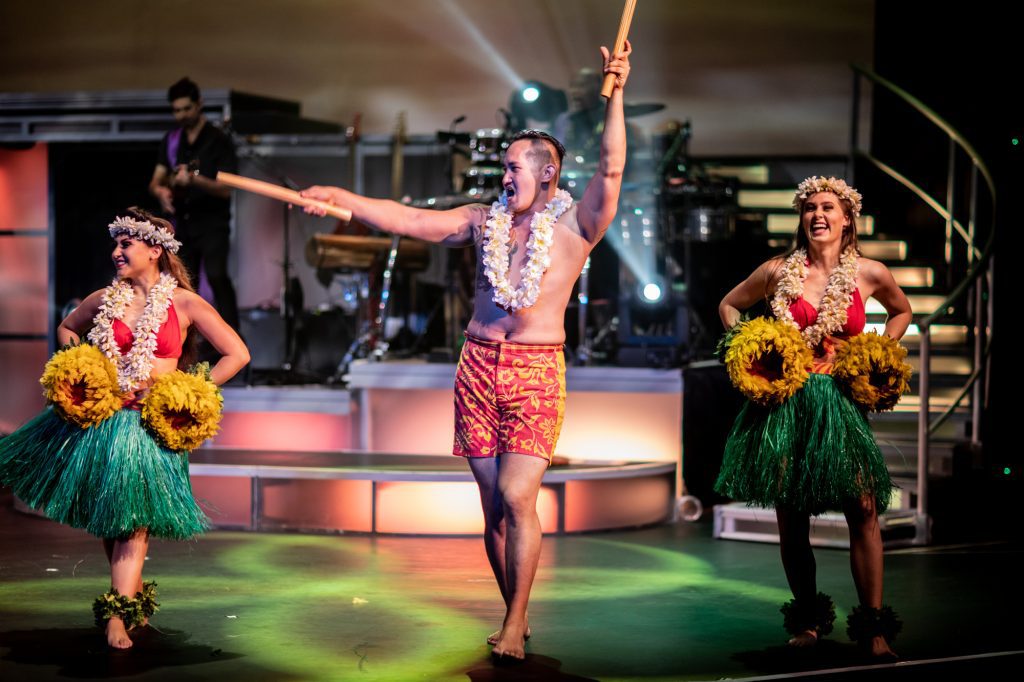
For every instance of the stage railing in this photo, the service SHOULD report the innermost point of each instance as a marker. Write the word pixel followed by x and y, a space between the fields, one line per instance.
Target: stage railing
pixel 976 287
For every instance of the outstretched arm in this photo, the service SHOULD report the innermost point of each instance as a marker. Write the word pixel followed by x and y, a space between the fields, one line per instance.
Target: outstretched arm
pixel 451 228
pixel 601 198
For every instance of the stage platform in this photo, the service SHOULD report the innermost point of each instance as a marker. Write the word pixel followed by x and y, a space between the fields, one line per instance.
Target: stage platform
pixel 376 456
pixel 419 494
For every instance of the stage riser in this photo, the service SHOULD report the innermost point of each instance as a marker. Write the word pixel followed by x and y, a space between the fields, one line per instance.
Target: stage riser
pixel 422 507
pixel 376 458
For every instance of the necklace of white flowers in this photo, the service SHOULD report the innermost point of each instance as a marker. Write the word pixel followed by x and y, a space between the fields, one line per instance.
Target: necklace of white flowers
pixel 495 251
pixel 135 366
pixel 834 302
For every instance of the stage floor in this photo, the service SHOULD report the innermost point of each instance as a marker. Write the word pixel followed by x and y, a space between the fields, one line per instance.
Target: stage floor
pixel 661 603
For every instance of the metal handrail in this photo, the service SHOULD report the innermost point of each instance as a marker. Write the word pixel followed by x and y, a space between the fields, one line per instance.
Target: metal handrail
pixel 925 197
pixel 979 276
pixel 931 116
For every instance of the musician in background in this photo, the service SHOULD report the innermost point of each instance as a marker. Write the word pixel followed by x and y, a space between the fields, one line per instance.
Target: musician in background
pixel 183 182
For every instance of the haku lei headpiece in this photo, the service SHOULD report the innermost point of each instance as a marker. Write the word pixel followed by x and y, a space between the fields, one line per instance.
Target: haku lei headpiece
pixel 146 231
pixel 837 186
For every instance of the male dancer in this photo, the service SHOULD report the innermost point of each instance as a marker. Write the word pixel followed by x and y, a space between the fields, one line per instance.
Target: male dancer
pixel 510 384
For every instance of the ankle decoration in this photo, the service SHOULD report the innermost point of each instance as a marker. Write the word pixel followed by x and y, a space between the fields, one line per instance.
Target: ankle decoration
pixel 865 623
pixel 131 610
pixel 817 616
pixel 147 599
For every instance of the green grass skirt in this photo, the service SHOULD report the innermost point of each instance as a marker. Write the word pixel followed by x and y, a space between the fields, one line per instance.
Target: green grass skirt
pixel 812 453
pixel 110 480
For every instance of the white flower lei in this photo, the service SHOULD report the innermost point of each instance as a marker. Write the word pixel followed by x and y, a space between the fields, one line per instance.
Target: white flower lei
pixel 834 302
pixel 135 366
pixel 495 251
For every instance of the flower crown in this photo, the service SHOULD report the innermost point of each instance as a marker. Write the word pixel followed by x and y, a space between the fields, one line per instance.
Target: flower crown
pixel 837 186
pixel 146 231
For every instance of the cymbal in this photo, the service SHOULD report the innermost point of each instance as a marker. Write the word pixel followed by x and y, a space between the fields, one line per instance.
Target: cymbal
pixel 641 108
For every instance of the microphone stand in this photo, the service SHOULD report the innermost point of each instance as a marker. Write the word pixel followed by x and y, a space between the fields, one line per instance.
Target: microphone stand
pixel 289 298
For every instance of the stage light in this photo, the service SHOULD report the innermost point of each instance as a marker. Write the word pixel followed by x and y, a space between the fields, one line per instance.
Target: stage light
pixel 652 292
pixel 1006 471
pixel 535 101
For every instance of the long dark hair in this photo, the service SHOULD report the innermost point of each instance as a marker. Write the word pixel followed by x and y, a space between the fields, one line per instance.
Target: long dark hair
pixel 175 267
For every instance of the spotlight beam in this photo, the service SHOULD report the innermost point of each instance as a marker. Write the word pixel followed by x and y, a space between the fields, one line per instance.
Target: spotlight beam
pixel 487 50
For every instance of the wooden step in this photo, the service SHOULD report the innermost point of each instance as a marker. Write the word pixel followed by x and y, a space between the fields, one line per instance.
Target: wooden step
pixel 775 199
pixel 753 174
pixel 913 276
pixel 944 364
pixel 884 249
pixel 942 334
pixel 921 304
pixel 901 427
pixel 939 400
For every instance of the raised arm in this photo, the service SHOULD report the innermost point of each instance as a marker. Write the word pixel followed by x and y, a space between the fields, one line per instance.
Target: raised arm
pixel 601 197
pixel 748 292
pixel 454 227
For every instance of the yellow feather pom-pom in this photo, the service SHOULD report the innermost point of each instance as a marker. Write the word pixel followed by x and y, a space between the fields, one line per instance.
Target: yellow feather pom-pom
pixel 183 410
pixel 767 360
pixel 81 384
pixel 872 369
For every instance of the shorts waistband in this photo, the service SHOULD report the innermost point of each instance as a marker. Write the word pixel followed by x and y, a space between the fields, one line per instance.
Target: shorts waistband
pixel 512 346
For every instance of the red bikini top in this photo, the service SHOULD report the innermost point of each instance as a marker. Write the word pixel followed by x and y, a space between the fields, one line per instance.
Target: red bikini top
pixel 805 315
pixel 168 337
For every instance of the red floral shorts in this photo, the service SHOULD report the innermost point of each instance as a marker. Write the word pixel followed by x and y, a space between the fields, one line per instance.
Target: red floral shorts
pixel 509 397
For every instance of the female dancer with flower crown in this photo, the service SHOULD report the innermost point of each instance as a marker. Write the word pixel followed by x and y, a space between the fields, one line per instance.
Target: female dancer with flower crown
pixel 110 452
pixel 810 448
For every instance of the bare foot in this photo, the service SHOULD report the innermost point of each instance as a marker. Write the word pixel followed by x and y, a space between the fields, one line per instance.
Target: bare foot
pixel 492 638
pixel 807 638
pixel 511 644
pixel 879 648
pixel 117 638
